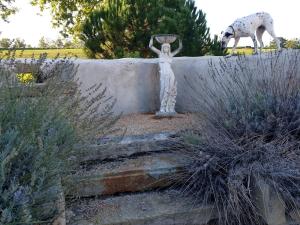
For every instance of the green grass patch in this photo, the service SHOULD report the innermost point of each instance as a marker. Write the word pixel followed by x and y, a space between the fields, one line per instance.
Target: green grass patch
pixel 79 53
pixel 51 53
pixel 248 51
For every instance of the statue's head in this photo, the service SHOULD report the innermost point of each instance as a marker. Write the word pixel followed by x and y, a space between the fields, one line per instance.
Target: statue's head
pixel 166 48
pixel 226 36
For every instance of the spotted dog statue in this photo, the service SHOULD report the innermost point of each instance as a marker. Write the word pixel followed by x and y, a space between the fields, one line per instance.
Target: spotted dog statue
pixel 247 27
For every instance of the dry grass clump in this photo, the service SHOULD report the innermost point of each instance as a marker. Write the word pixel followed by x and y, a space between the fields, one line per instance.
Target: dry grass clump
pixel 251 132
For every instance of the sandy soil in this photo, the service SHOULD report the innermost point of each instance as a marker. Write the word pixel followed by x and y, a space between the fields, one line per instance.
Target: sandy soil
pixel 137 124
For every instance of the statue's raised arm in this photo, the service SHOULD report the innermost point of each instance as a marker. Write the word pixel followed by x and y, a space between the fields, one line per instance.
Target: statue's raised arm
pixel 178 49
pixel 152 47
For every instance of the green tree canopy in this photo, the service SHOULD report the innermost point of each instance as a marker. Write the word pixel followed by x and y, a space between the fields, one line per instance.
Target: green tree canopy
pixel 68 15
pixel 19 43
pixel 44 43
pixel 292 43
pixel 282 43
pixel 124 27
pixel 5 43
pixel 7 8
pixel 286 43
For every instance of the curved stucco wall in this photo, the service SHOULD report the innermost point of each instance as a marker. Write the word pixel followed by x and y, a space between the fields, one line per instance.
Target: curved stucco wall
pixel 135 82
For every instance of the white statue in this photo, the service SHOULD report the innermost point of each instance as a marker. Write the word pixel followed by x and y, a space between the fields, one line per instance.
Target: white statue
pixel 168 89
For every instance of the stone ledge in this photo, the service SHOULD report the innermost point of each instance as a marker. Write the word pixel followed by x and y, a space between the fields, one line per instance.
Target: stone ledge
pixel 131 175
pixel 165 208
pixel 128 146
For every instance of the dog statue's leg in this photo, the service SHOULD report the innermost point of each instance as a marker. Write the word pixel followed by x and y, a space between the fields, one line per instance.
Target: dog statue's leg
pixel 276 40
pixel 233 52
pixel 236 41
pixel 261 44
pixel 270 30
pixel 255 43
pixel 259 33
pixel 278 43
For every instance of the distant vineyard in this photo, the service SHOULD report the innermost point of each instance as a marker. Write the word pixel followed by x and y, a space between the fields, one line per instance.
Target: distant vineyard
pixel 248 51
pixel 79 53
pixel 51 53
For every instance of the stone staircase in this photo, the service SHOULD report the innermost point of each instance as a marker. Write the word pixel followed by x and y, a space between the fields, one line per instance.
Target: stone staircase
pixel 126 180
pixel 133 180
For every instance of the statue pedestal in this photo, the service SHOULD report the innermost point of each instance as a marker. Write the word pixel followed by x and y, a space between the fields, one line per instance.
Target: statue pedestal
pixel 165 114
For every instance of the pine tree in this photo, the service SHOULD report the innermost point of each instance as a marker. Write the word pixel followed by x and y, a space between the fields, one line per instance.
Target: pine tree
pixel 122 28
pixel 215 47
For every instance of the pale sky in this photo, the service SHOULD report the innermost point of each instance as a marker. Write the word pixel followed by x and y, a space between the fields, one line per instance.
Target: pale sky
pixel 221 13
pixel 30 26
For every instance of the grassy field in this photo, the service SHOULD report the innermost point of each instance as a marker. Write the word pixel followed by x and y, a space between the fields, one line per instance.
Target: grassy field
pixel 248 51
pixel 79 53
pixel 51 53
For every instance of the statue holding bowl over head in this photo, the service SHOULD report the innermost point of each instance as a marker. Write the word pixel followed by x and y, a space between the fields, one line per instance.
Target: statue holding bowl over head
pixel 168 84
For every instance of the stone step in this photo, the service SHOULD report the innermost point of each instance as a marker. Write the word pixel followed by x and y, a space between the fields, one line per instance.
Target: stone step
pixel 127 146
pixel 157 208
pixel 129 175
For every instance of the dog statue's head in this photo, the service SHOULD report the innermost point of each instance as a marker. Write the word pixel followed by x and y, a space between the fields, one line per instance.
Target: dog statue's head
pixel 226 36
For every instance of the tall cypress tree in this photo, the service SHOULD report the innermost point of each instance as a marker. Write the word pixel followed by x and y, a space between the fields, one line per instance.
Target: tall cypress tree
pixel 122 28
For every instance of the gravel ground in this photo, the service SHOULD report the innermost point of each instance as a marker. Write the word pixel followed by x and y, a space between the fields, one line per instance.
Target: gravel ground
pixel 138 124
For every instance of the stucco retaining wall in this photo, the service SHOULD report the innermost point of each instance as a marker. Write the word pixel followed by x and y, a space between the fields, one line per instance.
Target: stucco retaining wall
pixel 135 82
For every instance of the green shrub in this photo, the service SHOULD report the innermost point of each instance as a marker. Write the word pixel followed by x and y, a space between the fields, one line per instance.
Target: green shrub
pixel 40 129
pixel 250 108
pixel 215 48
pixel 122 28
